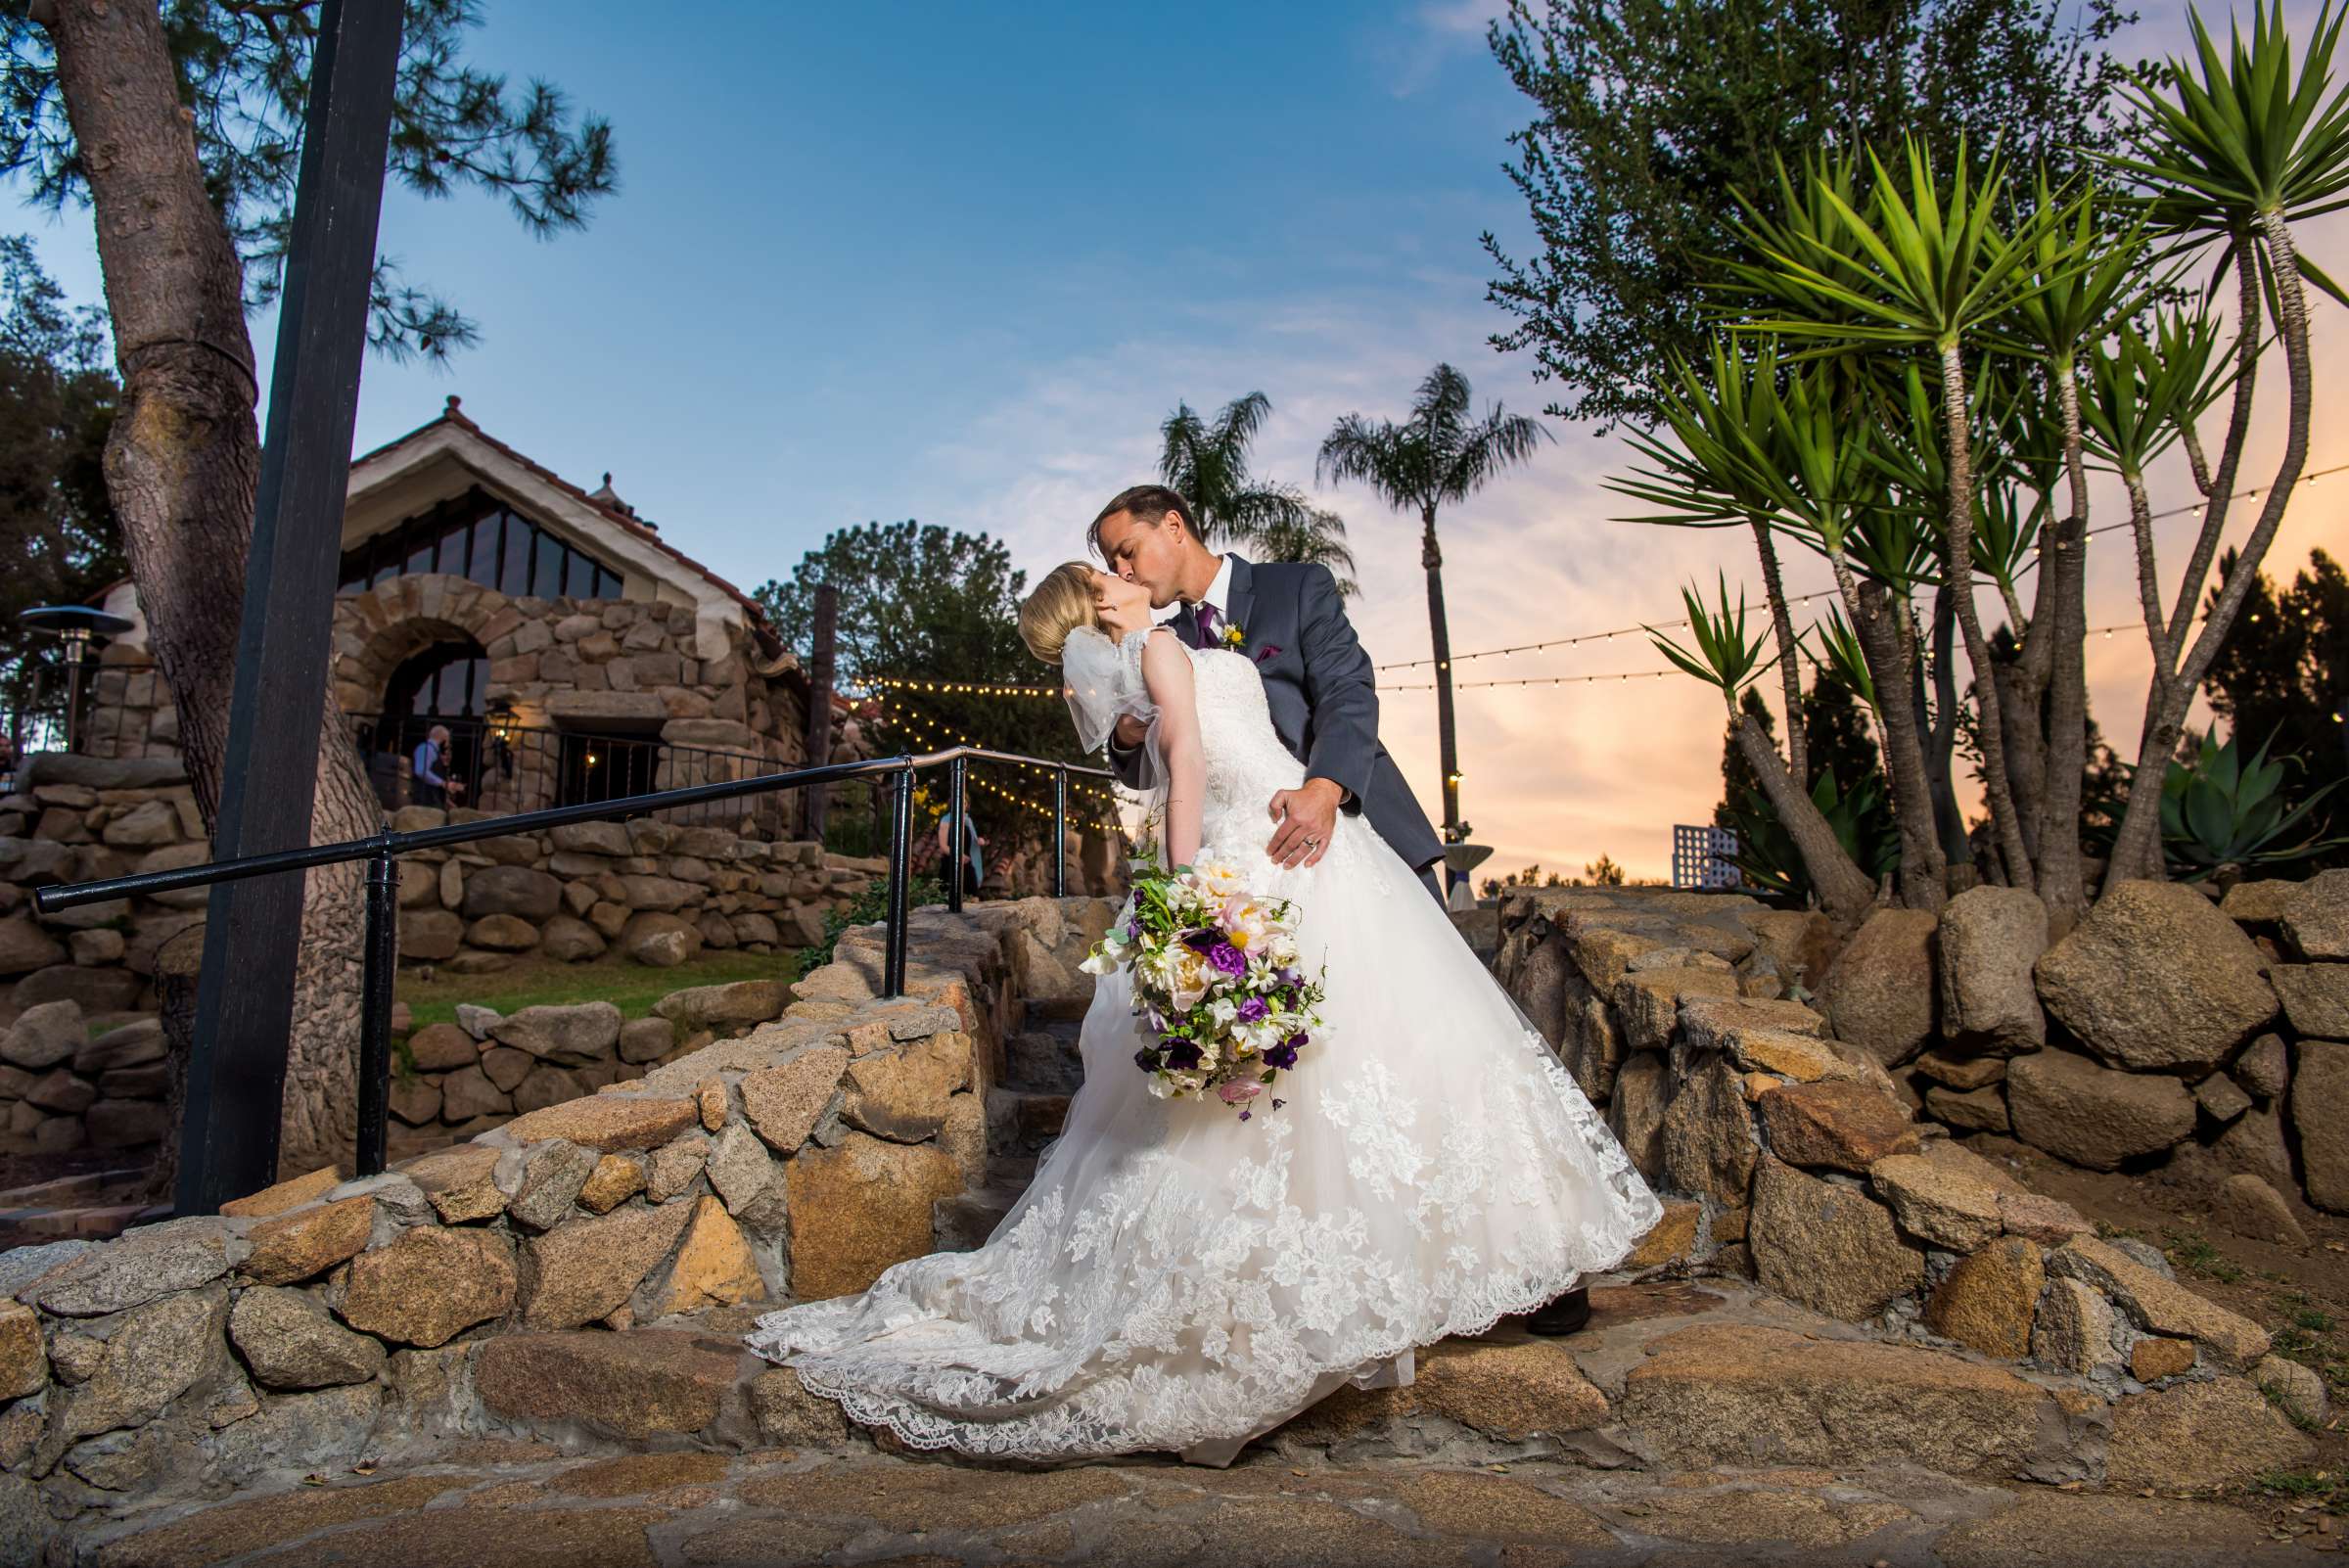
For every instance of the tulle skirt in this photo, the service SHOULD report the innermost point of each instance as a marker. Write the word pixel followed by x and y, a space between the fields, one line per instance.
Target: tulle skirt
pixel 1179 1279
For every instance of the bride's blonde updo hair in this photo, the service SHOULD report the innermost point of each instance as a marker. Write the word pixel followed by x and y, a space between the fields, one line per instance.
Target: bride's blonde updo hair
pixel 1060 604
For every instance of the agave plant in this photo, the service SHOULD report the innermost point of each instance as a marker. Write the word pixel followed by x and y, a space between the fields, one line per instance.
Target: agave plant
pixel 2225 814
pixel 1766 859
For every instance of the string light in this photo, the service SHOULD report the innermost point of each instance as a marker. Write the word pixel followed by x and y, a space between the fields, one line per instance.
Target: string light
pixel 932 732
pixel 1823 593
pixel 962 688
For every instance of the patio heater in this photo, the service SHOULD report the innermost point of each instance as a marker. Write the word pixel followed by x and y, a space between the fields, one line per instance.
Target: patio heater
pixel 73 625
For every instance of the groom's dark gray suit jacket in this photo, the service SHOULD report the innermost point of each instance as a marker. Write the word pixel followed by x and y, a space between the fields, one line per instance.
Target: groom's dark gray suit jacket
pixel 1322 692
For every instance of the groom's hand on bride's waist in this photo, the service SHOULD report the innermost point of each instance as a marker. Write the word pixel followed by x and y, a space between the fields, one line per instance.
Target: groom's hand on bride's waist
pixel 1130 732
pixel 1305 816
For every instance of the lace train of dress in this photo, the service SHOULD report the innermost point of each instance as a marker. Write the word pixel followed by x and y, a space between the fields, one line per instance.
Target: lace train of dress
pixel 1176 1278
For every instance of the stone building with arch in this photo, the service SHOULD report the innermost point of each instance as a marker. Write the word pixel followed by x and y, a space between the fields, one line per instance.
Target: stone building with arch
pixel 573 653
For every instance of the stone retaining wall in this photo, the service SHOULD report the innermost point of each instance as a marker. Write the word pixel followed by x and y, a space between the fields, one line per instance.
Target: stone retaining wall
pixel 796 1162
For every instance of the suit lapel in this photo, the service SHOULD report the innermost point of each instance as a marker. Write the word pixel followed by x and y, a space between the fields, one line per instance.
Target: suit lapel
pixel 1243 595
pixel 1186 625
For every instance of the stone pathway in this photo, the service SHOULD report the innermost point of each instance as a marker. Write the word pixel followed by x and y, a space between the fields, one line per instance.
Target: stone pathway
pixel 521 1506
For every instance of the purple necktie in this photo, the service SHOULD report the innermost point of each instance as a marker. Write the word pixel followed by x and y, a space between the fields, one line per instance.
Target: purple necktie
pixel 1203 624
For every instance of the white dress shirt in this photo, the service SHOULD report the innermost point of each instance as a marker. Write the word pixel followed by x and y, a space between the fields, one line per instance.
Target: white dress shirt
pixel 1218 592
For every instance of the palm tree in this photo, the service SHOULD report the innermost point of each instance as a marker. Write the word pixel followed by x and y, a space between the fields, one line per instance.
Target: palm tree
pixel 1439 454
pixel 1206 462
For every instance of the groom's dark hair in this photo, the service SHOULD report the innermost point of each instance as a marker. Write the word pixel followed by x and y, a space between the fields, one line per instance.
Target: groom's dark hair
pixel 1149 501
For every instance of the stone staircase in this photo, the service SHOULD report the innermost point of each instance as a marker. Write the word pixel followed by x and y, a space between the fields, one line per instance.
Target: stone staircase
pixel 1041 1069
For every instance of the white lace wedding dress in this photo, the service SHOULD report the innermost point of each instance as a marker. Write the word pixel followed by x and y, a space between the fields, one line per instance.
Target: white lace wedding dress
pixel 1176 1278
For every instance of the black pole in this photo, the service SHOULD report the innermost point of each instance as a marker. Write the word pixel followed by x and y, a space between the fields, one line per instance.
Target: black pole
pixel 955 810
pixel 1060 832
pixel 901 866
pixel 822 662
pixel 375 1011
pixel 245 1000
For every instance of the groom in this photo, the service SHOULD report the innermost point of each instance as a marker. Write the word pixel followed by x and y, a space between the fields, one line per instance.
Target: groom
pixel 1289 619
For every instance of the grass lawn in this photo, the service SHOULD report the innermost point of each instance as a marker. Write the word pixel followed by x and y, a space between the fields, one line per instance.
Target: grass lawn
pixel 633 987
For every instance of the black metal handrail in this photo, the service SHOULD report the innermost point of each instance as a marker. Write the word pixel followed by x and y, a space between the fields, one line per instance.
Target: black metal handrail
pixel 382 851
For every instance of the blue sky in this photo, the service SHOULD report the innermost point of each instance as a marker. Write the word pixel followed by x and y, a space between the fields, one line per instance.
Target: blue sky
pixel 956 262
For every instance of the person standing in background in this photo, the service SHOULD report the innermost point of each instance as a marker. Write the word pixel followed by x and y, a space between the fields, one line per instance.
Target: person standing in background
pixel 974 865
pixel 429 770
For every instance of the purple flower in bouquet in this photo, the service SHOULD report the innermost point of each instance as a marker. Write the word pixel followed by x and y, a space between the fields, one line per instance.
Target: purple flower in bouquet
pixel 1284 1055
pixel 1203 941
pixel 1146 1059
pixel 1226 960
pixel 1289 978
pixel 1183 1054
pixel 1252 1009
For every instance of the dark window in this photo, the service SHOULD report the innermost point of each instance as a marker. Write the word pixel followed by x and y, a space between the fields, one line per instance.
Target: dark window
pixel 475 537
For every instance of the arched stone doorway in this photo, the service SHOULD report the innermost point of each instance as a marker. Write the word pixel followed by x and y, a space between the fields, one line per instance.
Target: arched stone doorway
pixel 444 683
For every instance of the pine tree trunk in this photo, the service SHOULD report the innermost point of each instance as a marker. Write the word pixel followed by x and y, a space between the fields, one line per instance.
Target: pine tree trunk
pixel 1439 637
pixel 182 464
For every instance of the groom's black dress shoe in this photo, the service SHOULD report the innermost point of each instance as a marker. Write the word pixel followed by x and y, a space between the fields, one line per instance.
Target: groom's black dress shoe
pixel 1570 1313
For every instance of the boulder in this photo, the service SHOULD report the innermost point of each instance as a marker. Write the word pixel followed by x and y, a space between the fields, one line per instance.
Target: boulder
pixel 661 940
pixel 570 1034
pixel 1647 1002
pixel 289 1341
pixel 291 1193
pixel 1938 1204
pixel 307 1241
pixel 1989 939
pixel 2264 1068
pixel 143 1264
pixel 2316 917
pixel 903 1094
pixel 2046 1220
pixel 2159 1305
pixel 586 1268
pixel 45 1036
pixel 1708 1133
pixel 591 838
pixel 2222 1099
pixel 1673 1239
pixel 429 1285
pixel 570 941
pixel 2297 1391
pixel 2315 998
pixel 1982 1110
pixel 136 1045
pixel 722 1007
pixel 2257 903
pixel 505 1068
pixel 713 1267
pixel 2196 1435
pixel 1636 1114
pixel 1750 1396
pixel 2247 1206
pixel 1987 1300
pixel 442 1048
pixel 1827 1247
pixel 469 1093
pixel 1961 1073
pixel 2093 1116
pixel 429 936
pixel 2154 1358
pixel 616 1178
pixel 157 1353
pixel 25 946
pixel 544 1086
pixel 2073 1330
pixel 784 1103
pixel 460 1182
pixel 1838 1126
pixel 553 1173
pixel 860 1206
pixel 609 1123
pixel 1879 991
pixel 23 1365
pixel 512 890
pixel 2156 978
pixel 2320 1091
pixel 2253 1145
pixel 629 1386
pixel 739 1168
pixel 676 1164
pixel 501 932
pixel 646 1039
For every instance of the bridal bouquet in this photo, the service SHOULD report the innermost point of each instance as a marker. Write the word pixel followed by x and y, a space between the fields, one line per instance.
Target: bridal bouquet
pixel 1216 976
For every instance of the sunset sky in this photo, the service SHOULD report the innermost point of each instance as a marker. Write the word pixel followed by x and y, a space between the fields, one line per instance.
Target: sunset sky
pixel 957 263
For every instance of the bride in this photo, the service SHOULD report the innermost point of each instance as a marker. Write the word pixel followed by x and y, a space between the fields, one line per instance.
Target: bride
pixel 1176 1278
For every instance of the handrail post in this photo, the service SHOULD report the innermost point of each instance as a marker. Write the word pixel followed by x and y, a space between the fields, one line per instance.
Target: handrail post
pixel 954 814
pixel 900 869
pixel 375 1009
pixel 1060 831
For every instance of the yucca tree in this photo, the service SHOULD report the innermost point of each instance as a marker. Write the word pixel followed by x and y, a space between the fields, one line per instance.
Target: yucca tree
pixel 1724 658
pixel 1438 456
pixel 2228 150
pixel 1206 462
pixel 1926 268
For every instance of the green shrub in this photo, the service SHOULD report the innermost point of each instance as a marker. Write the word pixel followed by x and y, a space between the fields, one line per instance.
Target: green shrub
pixel 862 910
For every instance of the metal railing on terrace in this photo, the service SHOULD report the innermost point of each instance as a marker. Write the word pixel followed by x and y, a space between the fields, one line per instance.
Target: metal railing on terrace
pixel 382 852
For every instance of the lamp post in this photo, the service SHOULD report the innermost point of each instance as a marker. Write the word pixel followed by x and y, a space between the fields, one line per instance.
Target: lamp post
pixel 73 625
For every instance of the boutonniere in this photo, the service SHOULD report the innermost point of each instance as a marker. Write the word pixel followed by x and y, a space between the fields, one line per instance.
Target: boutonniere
pixel 1233 636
